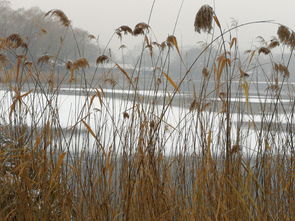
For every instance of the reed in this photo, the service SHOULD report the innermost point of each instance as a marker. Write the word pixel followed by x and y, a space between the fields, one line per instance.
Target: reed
pixel 160 154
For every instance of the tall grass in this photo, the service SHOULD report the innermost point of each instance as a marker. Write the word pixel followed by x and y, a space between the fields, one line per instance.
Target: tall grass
pixel 161 154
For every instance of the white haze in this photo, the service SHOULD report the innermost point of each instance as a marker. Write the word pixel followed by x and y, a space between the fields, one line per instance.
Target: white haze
pixel 100 17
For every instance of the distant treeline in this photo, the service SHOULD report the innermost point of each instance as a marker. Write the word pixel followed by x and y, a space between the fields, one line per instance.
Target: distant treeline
pixel 45 35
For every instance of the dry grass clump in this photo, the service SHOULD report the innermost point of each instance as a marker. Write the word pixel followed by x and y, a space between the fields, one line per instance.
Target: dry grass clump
pixel 204 18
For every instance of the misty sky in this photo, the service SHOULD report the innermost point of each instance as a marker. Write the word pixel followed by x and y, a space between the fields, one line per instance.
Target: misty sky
pixel 101 17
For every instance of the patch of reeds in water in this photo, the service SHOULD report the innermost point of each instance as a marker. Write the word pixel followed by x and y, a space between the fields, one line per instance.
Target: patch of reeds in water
pixel 120 168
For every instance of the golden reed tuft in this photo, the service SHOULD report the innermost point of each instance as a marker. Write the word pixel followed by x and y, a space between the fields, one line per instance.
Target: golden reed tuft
pixel 203 20
pixel 60 15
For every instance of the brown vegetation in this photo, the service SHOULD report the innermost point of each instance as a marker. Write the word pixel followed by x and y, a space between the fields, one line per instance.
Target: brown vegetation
pixel 120 167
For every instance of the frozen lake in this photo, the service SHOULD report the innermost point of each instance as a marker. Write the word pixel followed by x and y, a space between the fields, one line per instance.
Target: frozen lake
pixel 116 122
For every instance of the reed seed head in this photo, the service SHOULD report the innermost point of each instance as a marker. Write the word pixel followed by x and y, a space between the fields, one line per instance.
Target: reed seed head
pixel 125 115
pixel 111 81
pixel 280 68
pixel 44 59
pixel 125 29
pixel 243 74
pixel 3 59
pixel 122 47
pixel 28 63
pixel 194 105
pixel 15 41
pixel 60 15
pixel 140 29
pixel 283 34
pixel 102 59
pixel 69 65
pixel 274 43
pixel 264 50
pixel 80 63
pixel 91 37
pixel 205 72
pixel 291 40
pixel 203 20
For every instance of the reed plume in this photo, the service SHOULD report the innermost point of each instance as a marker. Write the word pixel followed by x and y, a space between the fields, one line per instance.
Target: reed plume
pixel 205 72
pixel 280 68
pixel 291 40
pixel 91 37
pixel 283 34
pixel 80 63
pixel 125 29
pixel 286 36
pixel 3 59
pixel 69 65
pixel 194 105
pixel 16 41
pixel 102 59
pixel 60 15
pixel 274 43
pixel 122 47
pixel 140 29
pixel 263 50
pixel 243 74
pixel 44 59
pixel 203 20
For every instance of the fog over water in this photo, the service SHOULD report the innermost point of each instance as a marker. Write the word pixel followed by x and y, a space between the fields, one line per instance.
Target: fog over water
pixel 102 17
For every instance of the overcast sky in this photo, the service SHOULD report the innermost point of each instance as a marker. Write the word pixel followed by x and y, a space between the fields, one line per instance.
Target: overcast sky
pixel 102 17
